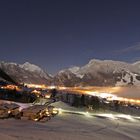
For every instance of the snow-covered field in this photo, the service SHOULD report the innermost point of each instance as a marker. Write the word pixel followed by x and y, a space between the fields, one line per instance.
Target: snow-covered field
pixel 67 126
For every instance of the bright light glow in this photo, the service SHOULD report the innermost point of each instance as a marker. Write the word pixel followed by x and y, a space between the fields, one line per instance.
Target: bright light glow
pixel 9 111
pixel 137 118
pixel 128 117
pixel 36 119
pixel 35 86
pixel 47 112
pixel 36 92
pixel 87 114
pixel 111 116
pixel 47 96
pixel 107 115
pixel 60 110
pixel 51 87
pixel 102 92
pixel 11 87
pixel 62 88
pixel 55 111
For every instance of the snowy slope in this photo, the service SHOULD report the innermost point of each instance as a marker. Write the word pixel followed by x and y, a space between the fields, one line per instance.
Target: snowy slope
pixel 129 78
pixel 26 73
pixel 66 78
pixel 30 67
pixel 95 73
pixel 34 68
pixel 137 65
pixel 67 126
pixel 101 73
pixel 75 70
pixel 108 66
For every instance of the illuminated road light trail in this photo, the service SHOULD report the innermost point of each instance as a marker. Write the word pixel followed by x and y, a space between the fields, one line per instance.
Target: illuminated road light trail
pixel 100 115
pixel 128 117
pixel 109 116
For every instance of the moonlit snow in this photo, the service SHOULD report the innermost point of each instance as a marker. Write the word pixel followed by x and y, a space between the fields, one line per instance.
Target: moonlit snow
pixel 67 126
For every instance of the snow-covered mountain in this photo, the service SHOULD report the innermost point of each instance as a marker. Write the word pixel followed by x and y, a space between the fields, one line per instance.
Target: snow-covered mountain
pixel 128 78
pixel 137 65
pixel 95 73
pixel 34 69
pixel 26 73
pixel 101 73
pixel 66 78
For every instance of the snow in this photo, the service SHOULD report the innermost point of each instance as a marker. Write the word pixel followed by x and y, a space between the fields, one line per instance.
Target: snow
pixel 127 78
pixel 137 64
pixel 74 69
pixel 30 67
pixel 61 72
pixel 70 127
pixel 107 66
pixel 95 67
pixel 34 68
pixel 7 63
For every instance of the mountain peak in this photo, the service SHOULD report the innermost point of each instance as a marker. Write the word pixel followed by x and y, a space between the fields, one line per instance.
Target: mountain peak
pixel 94 61
pixel 136 63
pixel 30 67
pixel 74 69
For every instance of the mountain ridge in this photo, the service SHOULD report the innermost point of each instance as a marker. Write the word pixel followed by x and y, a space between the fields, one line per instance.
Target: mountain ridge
pixel 95 73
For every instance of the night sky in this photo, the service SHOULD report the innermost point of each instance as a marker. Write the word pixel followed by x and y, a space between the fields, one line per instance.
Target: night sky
pixel 56 34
